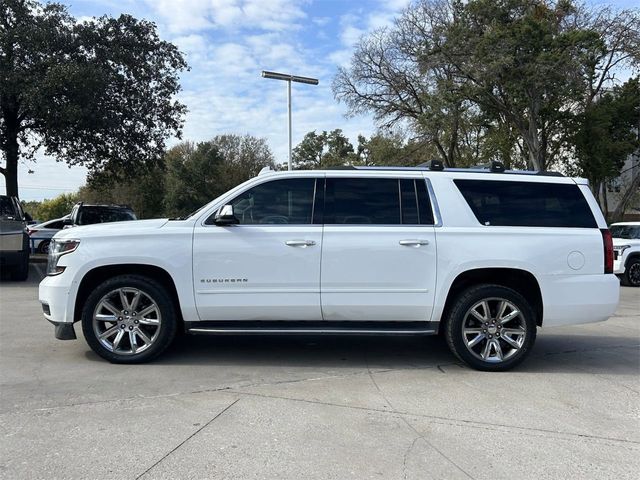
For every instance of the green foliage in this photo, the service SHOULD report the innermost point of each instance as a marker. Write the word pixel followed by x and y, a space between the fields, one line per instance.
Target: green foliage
pixel 189 176
pixel 99 93
pixel 198 173
pixel 56 207
pixel 606 133
pixel 142 191
pixel 328 149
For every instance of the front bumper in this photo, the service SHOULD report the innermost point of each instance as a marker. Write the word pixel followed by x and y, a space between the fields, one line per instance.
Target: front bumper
pixel 55 294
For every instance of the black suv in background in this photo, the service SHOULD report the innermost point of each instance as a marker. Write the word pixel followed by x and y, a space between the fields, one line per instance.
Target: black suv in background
pixel 14 240
pixel 83 214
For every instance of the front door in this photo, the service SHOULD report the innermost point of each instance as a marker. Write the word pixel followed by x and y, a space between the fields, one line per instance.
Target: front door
pixel 268 266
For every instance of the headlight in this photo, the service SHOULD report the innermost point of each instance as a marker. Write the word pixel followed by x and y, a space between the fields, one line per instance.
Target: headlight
pixel 58 248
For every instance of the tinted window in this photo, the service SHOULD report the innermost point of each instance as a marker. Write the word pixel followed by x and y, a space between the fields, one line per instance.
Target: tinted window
pixel 54 225
pixel 287 201
pixel 91 215
pixel 526 203
pixel 416 208
pixel 628 232
pixel 368 201
pixel 7 208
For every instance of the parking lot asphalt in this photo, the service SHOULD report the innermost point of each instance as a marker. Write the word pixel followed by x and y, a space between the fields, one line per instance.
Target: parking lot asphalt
pixel 317 407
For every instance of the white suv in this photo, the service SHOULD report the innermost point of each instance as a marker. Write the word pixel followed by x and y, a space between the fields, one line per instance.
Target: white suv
pixel 482 257
pixel 626 248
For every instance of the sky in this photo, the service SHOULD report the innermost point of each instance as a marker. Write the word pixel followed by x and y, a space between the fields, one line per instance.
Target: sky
pixel 227 44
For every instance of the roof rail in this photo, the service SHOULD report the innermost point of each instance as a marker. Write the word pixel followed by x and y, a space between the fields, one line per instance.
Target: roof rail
pixel 438 166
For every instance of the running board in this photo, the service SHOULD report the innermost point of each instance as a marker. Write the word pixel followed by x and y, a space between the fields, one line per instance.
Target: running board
pixel 311 328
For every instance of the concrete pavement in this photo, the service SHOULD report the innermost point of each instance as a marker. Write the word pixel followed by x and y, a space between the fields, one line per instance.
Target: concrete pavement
pixel 317 407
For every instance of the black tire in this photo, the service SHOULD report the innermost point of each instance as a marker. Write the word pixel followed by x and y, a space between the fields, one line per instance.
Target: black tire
pixel 21 271
pixel 43 246
pixel 461 319
pixel 164 314
pixel 631 275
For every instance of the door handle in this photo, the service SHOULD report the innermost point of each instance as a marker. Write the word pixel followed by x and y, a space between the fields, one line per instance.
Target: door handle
pixel 300 243
pixel 413 243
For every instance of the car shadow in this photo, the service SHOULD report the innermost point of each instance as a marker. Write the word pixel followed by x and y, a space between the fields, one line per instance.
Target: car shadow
pixel 552 353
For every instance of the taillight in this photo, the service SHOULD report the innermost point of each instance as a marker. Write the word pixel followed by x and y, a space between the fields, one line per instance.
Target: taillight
pixel 31 232
pixel 607 241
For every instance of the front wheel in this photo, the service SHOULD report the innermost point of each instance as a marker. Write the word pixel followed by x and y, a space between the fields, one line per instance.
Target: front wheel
pixel 491 328
pixel 129 319
pixel 43 247
pixel 632 273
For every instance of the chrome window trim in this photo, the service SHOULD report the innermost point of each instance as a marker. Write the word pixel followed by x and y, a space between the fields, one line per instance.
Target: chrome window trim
pixel 437 218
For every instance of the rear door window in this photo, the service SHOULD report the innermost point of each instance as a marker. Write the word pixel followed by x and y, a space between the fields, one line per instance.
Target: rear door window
pixel 526 204
pixel 377 201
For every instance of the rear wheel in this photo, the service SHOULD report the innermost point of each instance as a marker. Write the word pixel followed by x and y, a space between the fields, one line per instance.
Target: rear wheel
pixel 491 328
pixel 632 273
pixel 129 319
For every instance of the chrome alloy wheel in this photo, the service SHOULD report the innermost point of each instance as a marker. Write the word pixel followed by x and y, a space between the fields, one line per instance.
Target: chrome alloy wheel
pixel 127 321
pixel 494 330
pixel 634 274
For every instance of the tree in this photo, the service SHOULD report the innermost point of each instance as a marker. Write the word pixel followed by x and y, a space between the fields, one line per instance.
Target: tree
pixel 391 77
pixel 328 149
pixel 198 173
pixel 490 79
pixel 56 207
pixel 243 157
pixel 143 190
pixel 98 93
pixel 606 133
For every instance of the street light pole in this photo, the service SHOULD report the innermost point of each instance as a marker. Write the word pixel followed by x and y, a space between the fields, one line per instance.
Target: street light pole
pixel 289 78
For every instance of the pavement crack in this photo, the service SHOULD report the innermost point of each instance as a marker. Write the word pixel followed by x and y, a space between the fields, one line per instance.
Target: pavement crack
pixel 406 456
pixel 402 417
pixel 530 431
pixel 188 438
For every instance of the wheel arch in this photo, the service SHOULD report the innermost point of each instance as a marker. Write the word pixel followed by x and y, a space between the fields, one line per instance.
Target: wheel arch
pixel 98 275
pixel 522 281
pixel 632 256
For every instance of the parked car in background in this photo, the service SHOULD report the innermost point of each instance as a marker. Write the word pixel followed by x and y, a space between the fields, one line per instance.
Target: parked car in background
pixel 84 214
pixel 626 248
pixel 14 241
pixel 42 233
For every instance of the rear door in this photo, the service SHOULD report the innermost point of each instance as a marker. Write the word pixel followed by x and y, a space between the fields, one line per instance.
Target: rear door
pixel 379 250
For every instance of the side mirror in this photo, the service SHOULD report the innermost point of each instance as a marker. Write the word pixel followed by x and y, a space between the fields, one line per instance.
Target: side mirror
pixel 67 221
pixel 225 216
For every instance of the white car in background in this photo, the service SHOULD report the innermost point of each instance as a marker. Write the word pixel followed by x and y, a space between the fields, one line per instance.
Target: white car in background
pixel 42 233
pixel 626 248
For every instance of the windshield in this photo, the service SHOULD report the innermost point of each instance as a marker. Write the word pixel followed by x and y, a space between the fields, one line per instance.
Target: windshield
pixel 628 232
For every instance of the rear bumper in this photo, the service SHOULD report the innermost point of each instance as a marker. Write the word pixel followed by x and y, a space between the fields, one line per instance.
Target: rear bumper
pixel 575 299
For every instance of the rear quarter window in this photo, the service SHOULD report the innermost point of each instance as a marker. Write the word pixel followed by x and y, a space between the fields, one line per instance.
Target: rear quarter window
pixel 526 204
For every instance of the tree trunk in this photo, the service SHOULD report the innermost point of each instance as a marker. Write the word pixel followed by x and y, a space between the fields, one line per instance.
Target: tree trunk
pixel 10 171
pixel 628 195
